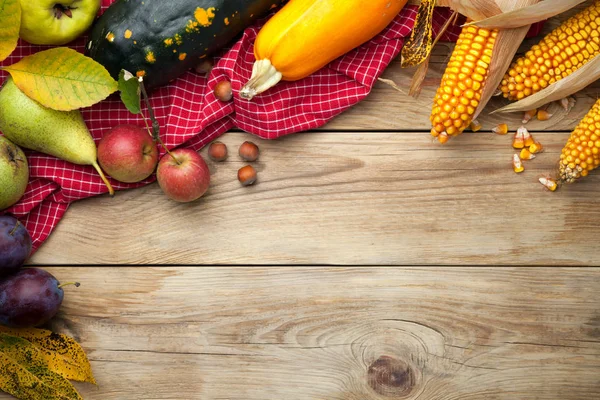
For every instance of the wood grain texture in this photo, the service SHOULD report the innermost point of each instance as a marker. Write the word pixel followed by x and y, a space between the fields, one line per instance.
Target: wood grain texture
pixel 337 334
pixel 349 198
pixel 379 192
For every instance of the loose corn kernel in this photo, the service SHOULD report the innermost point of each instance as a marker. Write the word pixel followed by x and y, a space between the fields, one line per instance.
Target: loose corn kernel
pixel 557 55
pixel 549 184
pixel 581 154
pixel 518 140
pixel 459 93
pixel 517 164
pixel 501 129
pixel 526 154
pixel 475 125
pixel 568 103
pixel 544 115
pixel 536 148
pixel 529 115
pixel 527 137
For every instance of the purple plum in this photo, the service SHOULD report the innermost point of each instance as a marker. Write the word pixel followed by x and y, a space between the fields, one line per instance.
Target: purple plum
pixel 29 298
pixel 15 245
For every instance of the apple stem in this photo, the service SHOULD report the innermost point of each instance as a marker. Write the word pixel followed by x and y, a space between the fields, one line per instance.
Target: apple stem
pixel 155 133
pixel 111 191
pixel 76 284
pixel 15 228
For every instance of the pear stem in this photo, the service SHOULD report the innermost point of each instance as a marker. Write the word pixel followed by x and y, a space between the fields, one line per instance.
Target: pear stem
pixel 111 191
pixel 76 284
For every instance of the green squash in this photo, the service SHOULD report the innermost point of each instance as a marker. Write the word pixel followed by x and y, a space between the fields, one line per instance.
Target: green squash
pixel 160 40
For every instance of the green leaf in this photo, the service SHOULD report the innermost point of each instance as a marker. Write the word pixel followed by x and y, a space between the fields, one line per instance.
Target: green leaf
pixel 10 24
pixel 25 374
pixel 130 90
pixel 62 79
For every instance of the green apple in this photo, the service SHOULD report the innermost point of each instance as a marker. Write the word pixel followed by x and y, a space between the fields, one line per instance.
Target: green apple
pixel 14 173
pixel 56 22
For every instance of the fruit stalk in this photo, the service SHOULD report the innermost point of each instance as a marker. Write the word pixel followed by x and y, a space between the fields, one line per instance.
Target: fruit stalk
pixel 111 191
pixel 155 133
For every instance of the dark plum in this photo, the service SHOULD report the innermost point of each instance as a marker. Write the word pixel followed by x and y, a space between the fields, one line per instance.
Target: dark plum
pixel 29 298
pixel 15 245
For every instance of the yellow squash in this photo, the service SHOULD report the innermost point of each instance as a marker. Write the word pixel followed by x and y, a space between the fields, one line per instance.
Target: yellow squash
pixel 305 35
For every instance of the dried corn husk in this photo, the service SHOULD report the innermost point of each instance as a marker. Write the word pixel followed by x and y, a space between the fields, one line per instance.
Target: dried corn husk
pixel 507 44
pixel 527 15
pixel 474 9
pixel 421 73
pixel 565 87
pixel 418 47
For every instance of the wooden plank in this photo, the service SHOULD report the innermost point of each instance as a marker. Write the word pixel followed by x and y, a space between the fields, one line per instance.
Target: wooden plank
pixel 325 333
pixel 349 198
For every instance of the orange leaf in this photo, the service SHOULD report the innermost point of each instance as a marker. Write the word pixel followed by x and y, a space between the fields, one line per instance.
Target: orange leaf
pixel 62 79
pixel 10 24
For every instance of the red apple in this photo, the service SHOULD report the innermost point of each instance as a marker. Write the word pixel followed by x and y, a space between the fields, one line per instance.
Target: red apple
pixel 184 177
pixel 128 153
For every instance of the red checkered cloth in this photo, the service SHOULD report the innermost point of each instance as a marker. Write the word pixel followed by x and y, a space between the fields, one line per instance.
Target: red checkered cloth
pixel 191 116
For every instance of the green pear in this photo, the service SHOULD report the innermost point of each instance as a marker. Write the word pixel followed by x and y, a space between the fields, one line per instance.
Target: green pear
pixel 58 133
pixel 14 173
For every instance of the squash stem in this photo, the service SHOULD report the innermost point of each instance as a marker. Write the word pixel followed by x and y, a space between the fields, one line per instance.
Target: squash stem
pixel 264 77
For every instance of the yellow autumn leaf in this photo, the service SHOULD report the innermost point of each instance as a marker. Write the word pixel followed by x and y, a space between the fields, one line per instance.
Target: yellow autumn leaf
pixel 10 24
pixel 24 374
pixel 62 79
pixel 61 352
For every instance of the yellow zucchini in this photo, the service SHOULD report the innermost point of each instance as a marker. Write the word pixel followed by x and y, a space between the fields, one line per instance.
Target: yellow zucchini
pixel 306 35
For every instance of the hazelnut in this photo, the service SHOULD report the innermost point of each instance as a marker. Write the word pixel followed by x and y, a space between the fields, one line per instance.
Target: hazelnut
pixel 249 151
pixel 223 91
pixel 217 151
pixel 247 175
pixel 205 67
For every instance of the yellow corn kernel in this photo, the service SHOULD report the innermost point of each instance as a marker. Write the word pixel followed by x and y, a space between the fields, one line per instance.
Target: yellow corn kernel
pixel 443 137
pixel 525 154
pixel 549 184
pixel 581 153
pixel 557 55
pixel 568 103
pixel 459 93
pixel 529 115
pixel 543 115
pixel 517 164
pixel 475 125
pixel 501 129
pixel 527 137
pixel 519 138
pixel 536 148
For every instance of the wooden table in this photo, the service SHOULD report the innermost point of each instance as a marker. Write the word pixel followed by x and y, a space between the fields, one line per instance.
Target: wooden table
pixel 493 293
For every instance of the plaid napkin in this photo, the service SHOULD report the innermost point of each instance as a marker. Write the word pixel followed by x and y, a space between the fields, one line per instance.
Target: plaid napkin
pixel 191 116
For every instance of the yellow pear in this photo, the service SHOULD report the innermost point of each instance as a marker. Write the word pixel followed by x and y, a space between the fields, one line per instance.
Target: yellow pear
pixel 58 133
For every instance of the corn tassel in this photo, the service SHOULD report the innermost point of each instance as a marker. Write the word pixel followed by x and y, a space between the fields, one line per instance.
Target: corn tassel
pixel 563 51
pixel 581 154
pixel 459 94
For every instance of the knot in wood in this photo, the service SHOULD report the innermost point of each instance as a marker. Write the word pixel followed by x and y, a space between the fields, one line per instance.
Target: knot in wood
pixel 391 377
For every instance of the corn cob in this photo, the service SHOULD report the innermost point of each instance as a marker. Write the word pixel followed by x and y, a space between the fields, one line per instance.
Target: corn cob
pixel 581 154
pixel 563 51
pixel 458 96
